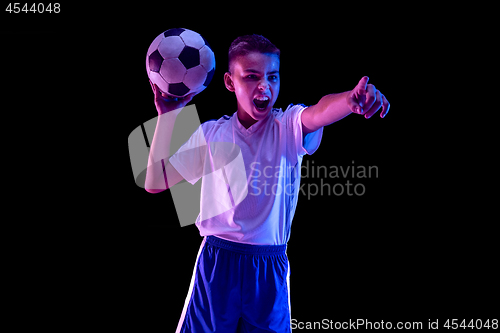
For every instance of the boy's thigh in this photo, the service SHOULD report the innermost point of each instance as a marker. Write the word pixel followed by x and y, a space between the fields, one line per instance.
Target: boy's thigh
pixel 266 295
pixel 214 302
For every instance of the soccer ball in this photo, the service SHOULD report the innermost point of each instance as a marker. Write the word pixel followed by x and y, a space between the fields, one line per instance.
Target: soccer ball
pixel 180 62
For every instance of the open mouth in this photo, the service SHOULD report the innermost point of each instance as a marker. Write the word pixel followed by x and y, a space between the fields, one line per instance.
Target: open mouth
pixel 261 102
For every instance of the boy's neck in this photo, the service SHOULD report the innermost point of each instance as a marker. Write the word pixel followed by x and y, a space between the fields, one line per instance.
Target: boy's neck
pixel 245 120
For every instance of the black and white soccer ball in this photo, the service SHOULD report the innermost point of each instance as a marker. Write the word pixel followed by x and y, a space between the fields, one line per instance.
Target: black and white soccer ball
pixel 180 61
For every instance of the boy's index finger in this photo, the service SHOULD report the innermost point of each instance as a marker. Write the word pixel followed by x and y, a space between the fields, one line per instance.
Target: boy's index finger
pixel 363 83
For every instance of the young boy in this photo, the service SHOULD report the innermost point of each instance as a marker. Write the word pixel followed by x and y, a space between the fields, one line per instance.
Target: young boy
pixel 241 278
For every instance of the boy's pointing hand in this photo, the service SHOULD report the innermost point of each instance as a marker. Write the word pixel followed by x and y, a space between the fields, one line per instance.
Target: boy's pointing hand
pixel 365 99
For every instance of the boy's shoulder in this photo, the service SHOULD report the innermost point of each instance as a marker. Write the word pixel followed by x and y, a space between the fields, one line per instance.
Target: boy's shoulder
pixel 291 107
pixel 289 112
pixel 212 125
pixel 222 120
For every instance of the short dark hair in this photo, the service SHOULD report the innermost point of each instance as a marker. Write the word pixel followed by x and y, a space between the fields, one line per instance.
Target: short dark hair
pixel 250 43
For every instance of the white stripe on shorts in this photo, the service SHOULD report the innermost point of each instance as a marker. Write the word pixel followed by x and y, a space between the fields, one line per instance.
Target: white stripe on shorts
pixel 190 292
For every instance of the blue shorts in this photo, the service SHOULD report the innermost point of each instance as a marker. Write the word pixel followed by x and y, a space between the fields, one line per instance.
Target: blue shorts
pixel 238 288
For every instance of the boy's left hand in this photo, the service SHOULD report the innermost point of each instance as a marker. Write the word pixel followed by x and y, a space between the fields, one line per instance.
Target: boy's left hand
pixel 366 100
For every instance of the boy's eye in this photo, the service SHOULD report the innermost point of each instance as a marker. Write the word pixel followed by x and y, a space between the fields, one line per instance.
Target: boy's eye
pixel 272 78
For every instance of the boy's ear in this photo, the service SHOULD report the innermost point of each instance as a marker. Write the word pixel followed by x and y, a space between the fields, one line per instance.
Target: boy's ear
pixel 228 81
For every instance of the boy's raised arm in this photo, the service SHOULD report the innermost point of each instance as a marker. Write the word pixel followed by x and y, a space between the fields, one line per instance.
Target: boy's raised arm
pixel 363 99
pixel 161 174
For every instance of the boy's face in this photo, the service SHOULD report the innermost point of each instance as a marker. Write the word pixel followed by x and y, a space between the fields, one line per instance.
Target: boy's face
pixel 255 80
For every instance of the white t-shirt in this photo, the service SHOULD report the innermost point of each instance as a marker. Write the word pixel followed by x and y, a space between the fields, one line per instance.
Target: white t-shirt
pixel 251 177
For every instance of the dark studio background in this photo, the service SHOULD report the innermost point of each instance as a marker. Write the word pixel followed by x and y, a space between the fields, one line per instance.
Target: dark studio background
pixel 396 253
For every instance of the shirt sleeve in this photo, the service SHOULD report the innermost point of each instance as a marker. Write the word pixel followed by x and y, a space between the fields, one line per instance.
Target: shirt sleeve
pixel 189 159
pixel 309 143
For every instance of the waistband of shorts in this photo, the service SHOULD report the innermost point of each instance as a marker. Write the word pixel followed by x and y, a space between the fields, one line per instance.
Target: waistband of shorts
pixel 246 248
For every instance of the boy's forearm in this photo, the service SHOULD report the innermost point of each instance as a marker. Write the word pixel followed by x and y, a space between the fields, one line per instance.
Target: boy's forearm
pixel 160 150
pixel 332 108
pixel 328 110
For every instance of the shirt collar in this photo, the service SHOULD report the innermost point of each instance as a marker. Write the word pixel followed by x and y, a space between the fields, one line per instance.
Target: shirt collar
pixel 251 129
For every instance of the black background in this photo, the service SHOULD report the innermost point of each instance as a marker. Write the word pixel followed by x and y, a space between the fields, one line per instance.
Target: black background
pixel 96 246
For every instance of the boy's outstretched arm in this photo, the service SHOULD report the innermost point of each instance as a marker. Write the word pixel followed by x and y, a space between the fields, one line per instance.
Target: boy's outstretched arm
pixel 363 99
